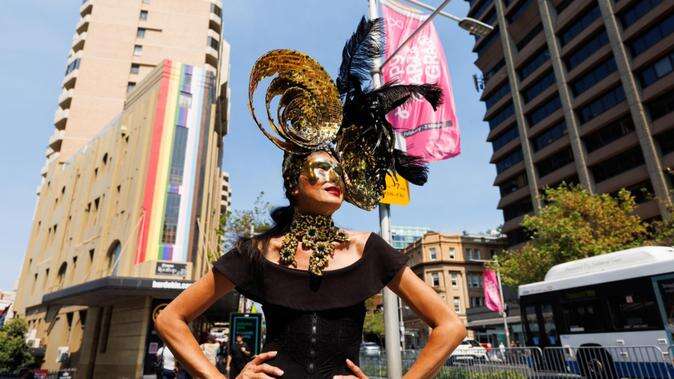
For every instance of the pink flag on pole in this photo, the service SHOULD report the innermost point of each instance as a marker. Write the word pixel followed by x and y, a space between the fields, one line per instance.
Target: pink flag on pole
pixel 492 291
pixel 430 135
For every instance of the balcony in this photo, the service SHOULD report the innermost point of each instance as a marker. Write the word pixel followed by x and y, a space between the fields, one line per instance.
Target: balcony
pixel 83 24
pixel 86 8
pixel 211 56
pixel 61 118
pixel 65 98
pixel 78 41
pixel 215 23
pixel 56 139
pixel 72 69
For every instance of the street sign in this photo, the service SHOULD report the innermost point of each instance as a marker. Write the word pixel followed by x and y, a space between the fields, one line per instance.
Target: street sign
pixel 397 191
pixel 249 326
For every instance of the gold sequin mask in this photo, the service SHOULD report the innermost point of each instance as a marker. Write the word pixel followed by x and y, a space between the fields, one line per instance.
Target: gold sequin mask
pixel 346 118
pixel 320 169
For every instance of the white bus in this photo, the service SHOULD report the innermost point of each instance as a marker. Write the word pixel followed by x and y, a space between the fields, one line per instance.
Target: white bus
pixel 624 298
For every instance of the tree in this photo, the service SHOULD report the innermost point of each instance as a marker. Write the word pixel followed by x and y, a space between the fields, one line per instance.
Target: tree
pixel 15 355
pixel 234 225
pixel 573 224
pixel 374 319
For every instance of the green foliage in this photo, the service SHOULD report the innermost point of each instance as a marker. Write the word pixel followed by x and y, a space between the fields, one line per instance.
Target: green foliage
pixel 374 323
pixel 240 223
pixel 573 224
pixel 462 373
pixel 15 355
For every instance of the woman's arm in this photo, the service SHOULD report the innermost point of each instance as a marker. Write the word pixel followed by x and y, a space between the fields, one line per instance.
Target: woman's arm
pixel 447 329
pixel 172 323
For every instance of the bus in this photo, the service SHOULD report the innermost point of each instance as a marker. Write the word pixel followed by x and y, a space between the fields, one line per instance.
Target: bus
pixel 610 306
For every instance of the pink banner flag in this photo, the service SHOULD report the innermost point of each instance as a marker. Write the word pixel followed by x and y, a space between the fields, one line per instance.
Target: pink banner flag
pixel 492 291
pixel 431 135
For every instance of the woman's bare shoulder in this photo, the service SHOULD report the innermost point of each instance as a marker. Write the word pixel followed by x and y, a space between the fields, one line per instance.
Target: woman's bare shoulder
pixel 358 238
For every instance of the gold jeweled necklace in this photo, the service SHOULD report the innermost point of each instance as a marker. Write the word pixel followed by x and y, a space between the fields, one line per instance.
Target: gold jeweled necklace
pixel 317 233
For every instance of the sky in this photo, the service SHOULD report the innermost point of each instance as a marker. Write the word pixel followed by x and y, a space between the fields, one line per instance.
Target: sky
pixel 35 36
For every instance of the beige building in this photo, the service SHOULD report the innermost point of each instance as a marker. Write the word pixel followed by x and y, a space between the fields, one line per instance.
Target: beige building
pixel 115 45
pixel 452 264
pixel 123 225
pixel 578 91
pixel 226 194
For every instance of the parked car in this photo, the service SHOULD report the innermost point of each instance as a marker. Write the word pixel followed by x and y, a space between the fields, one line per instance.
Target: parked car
pixel 370 349
pixel 468 351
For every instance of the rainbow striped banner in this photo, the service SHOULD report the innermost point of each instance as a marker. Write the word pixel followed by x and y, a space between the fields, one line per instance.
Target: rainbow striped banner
pixel 177 146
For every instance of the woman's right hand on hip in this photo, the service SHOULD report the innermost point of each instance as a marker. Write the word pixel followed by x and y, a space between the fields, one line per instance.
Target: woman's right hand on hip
pixel 257 369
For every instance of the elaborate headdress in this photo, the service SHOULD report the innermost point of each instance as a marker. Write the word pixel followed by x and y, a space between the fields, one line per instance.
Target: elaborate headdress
pixel 346 118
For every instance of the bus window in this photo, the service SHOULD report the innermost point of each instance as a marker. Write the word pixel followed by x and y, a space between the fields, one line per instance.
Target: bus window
pixel 634 309
pixel 581 312
pixel 549 325
pixel 666 288
pixel 532 325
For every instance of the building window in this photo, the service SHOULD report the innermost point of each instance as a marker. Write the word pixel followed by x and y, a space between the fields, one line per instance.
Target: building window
pixel 549 136
pixel 635 11
pixel 586 50
pixel 501 116
pixel 435 279
pixel 518 208
pixel 143 16
pixel 212 42
pixel 665 141
pixel 489 40
pixel 433 254
pixel 617 164
pixel 518 11
pixel 661 106
pixel 653 72
pixel 642 191
pixel 455 280
pixel 130 86
pixel 456 301
pixel 452 253
pixel 562 5
pixel 582 21
pixel 475 281
pixel 137 50
pixel 608 134
pixel 533 63
pixel 72 66
pixel 140 33
pixel 543 111
pixel 497 95
pixel 593 77
pixel 607 101
pixel 652 36
pixel 513 184
pixel 505 137
pixel 494 69
pixel 509 160
pixel 554 162
pixel 481 8
pixel 539 86
pixel 521 44
pixel 135 69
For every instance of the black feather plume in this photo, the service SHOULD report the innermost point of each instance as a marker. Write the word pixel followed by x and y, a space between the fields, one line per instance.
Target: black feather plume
pixel 412 168
pixel 366 44
pixel 391 95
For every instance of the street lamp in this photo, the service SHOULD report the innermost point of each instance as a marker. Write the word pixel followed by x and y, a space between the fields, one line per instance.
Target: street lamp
pixel 471 25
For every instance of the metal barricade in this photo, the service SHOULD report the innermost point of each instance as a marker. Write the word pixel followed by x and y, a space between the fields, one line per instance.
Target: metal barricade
pixel 590 362
pixel 611 362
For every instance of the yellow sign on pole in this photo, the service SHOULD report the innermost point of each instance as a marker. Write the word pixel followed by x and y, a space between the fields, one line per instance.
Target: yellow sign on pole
pixel 397 191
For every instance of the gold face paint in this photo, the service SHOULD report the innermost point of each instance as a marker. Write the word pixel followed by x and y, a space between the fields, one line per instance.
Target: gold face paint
pixel 319 167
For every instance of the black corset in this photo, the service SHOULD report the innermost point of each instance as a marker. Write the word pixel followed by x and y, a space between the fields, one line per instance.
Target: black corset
pixel 315 323
pixel 314 344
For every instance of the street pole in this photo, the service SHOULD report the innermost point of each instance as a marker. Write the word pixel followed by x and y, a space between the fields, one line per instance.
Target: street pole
pixel 504 313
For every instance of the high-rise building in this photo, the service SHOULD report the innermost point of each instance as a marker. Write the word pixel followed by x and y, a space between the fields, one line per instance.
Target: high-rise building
pixel 452 264
pixel 401 236
pixel 578 91
pixel 225 193
pixel 115 44
pixel 130 196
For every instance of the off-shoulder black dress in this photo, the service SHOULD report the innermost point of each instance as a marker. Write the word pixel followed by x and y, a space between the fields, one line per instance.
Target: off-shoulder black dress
pixel 315 323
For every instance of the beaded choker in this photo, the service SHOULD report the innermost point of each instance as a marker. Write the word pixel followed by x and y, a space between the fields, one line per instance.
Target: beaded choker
pixel 316 233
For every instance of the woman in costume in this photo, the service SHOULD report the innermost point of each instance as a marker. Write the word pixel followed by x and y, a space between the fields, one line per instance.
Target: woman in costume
pixel 312 277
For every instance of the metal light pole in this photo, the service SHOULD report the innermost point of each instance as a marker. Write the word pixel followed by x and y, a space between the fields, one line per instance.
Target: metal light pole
pixel 392 320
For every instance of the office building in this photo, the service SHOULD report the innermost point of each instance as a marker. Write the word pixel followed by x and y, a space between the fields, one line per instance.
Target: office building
pixel 578 91
pixel 402 236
